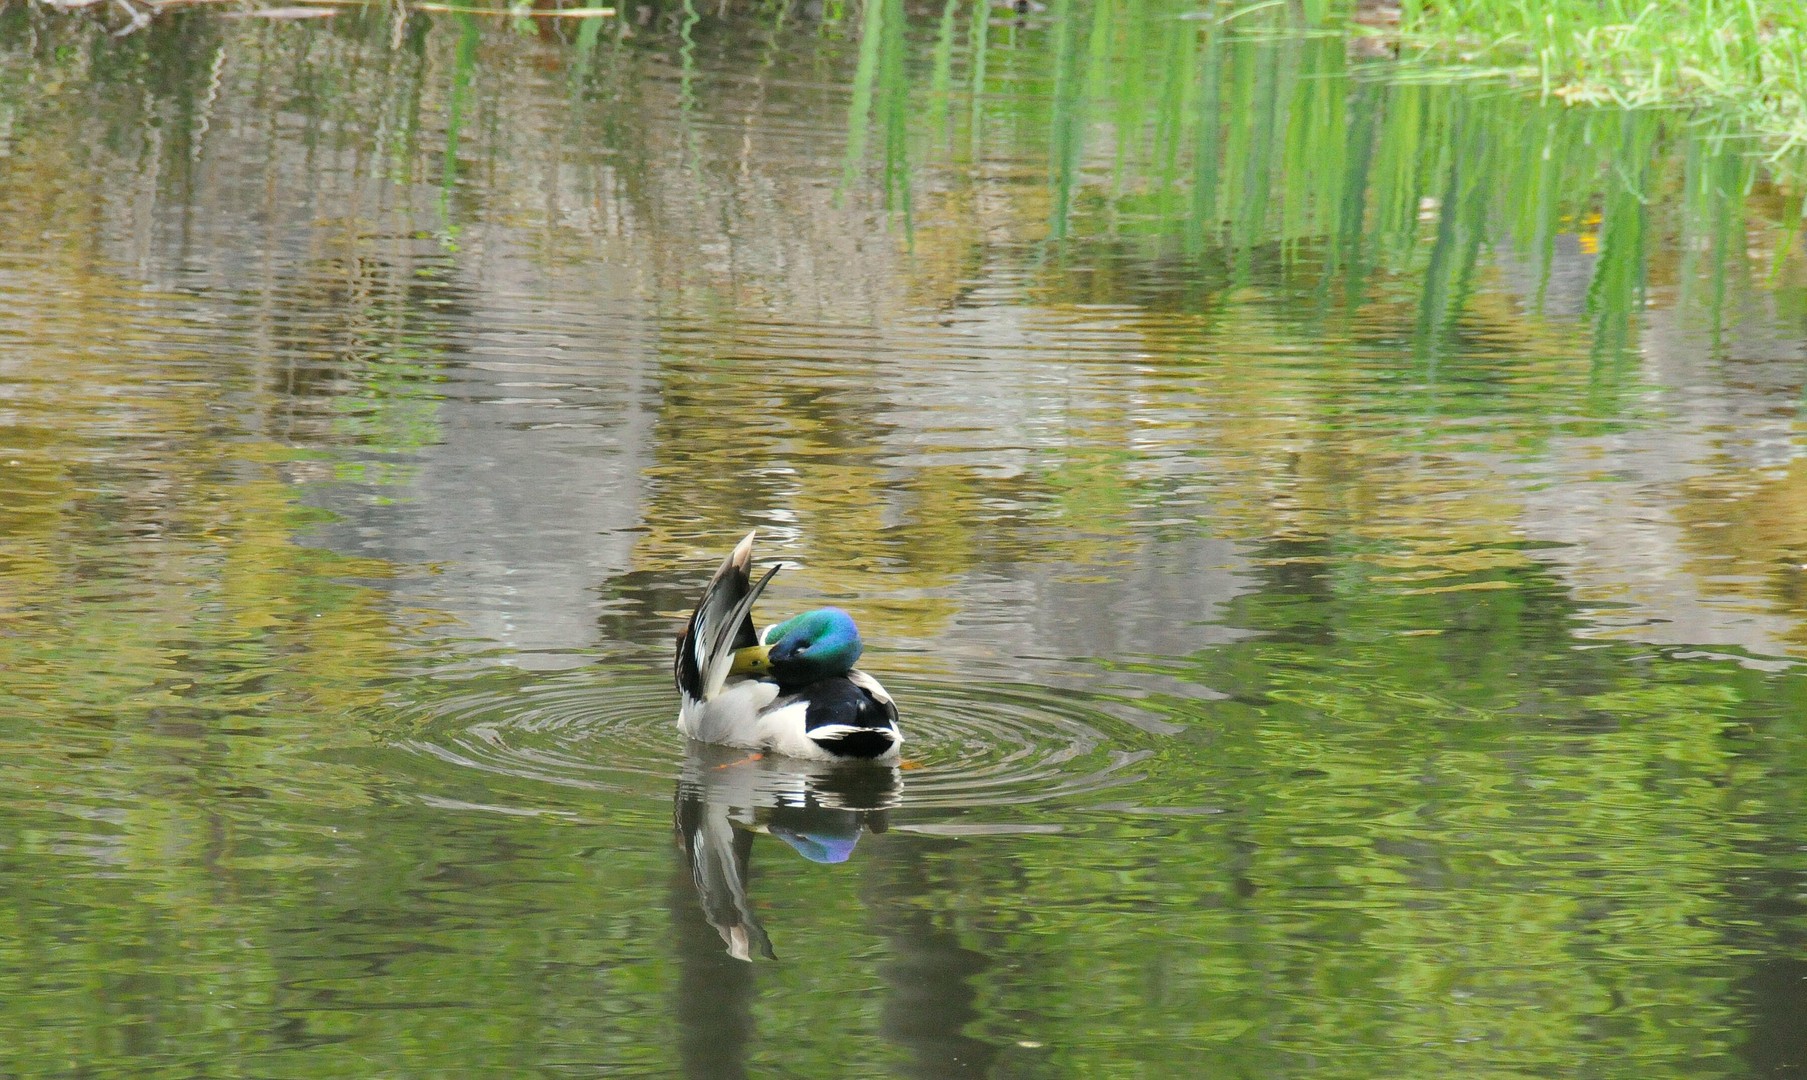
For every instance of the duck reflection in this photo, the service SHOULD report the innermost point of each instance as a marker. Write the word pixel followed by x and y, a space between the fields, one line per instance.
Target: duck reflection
pixel 726 796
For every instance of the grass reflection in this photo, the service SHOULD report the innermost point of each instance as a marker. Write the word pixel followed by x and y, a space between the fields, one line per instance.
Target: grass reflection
pixel 1237 147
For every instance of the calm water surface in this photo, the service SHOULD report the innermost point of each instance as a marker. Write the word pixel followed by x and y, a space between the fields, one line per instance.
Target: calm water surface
pixel 1339 542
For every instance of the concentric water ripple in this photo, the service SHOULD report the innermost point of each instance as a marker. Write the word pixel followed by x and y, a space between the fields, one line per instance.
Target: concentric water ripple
pixel 966 746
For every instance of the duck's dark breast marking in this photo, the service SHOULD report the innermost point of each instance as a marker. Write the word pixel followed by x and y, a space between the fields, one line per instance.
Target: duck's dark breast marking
pixel 839 701
pixel 870 743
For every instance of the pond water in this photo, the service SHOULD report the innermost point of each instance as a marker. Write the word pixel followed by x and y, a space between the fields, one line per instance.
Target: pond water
pixel 1338 539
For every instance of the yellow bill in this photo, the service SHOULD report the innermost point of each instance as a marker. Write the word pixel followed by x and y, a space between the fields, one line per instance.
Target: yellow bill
pixel 752 660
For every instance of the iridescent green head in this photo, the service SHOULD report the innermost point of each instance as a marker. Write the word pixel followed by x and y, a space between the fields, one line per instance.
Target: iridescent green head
pixel 815 645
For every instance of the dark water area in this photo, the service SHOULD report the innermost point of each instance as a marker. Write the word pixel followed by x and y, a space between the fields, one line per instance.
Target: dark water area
pixel 1337 537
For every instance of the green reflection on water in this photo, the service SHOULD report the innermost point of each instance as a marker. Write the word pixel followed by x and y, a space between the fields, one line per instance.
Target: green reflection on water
pixel 1418 813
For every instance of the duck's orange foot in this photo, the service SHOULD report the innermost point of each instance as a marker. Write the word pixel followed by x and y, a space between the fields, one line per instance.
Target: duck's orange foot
pixel 748 760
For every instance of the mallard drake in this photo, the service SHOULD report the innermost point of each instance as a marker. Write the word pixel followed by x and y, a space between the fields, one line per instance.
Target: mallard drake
pixel 792 690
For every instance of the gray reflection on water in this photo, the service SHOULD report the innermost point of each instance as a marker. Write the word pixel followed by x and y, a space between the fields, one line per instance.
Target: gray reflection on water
pixel 528 498
pixel 528 489
pixel 535 490
pixel 1724 413
pixel 1158 596
pixel 558 234
pixel 933 977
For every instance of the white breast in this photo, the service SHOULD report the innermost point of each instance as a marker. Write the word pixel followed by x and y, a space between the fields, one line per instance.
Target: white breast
pixel 730 717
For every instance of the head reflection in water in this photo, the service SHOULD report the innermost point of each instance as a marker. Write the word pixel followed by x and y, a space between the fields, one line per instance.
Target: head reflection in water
pixel 726 797
pixel 819 835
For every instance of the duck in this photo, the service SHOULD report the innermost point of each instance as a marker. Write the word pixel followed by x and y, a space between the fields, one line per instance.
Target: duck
pixel 792 690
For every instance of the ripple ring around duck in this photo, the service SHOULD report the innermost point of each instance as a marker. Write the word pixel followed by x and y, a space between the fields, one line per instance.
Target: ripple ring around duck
pixel 609 729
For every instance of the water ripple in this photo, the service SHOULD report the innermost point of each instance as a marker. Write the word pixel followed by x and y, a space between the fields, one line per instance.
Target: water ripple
pixel 967 746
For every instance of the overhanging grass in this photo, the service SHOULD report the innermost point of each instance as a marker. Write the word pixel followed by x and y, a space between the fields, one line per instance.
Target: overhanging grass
pixel 1744 56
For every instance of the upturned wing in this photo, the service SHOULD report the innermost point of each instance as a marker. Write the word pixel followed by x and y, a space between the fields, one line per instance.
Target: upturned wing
pixel 721 623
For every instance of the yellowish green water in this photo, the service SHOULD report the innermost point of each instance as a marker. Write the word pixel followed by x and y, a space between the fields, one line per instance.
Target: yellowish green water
pixel 1338 542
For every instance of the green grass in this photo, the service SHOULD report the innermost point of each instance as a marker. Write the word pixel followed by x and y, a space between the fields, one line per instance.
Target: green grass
pixel 1743 57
